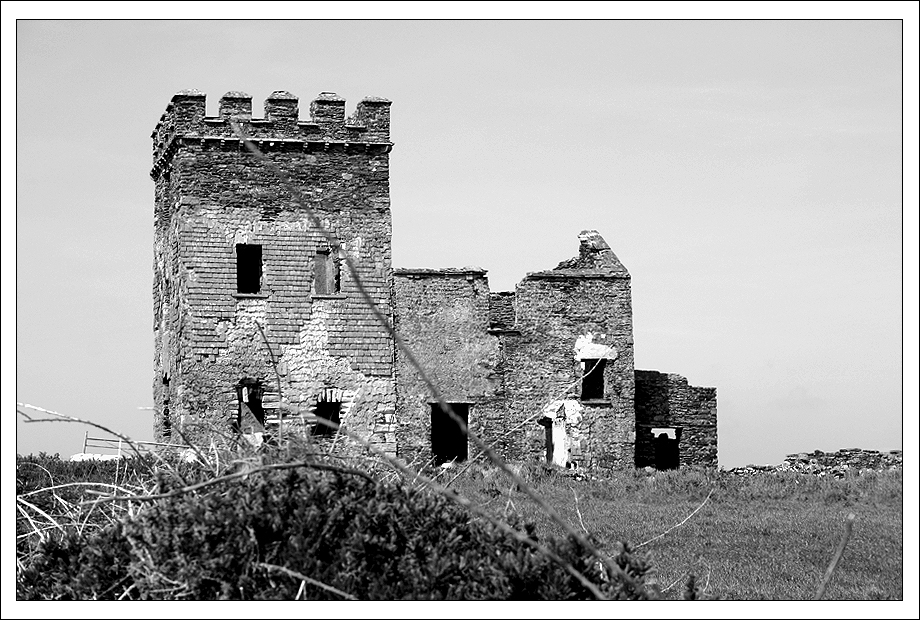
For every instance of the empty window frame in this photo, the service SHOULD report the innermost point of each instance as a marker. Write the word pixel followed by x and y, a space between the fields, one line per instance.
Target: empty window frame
pixel 448 440
pixel 248 268
pixel 592 380
pixel 331 412
pixel 327 278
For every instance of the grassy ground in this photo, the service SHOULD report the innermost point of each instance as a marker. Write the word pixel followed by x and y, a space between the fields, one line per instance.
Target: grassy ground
pixel 768 537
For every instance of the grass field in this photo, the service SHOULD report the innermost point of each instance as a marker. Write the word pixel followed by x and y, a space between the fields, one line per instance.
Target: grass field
pixel 764 537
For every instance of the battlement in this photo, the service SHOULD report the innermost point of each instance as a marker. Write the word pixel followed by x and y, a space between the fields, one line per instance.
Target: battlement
pixel 185 119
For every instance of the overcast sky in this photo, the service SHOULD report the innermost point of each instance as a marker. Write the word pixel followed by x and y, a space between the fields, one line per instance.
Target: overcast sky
pixel 748 174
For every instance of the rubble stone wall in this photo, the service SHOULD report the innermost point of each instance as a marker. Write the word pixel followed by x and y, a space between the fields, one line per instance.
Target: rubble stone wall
pixel 836 464
pixel 443 315
pixel 555 311
pixel 668 401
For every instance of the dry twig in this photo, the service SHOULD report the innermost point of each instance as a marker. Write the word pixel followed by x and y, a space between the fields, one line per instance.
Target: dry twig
pixel 578 512
pixel 304 579
pixel 847 531
pixel 671 529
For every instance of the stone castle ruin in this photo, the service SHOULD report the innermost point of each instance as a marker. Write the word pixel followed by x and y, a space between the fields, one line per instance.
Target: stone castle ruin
pixel 544 372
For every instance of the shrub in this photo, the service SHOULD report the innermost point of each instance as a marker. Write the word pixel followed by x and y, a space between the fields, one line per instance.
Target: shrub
pixel 365 539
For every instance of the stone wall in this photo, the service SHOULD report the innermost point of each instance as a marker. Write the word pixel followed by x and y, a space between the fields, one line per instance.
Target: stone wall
pixel 667 401
pixel 443 315
pixel 837 464
pixel 212 194
pixel 580 311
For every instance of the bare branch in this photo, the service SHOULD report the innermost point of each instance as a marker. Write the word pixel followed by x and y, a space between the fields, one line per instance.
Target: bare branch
pixel 671 529
pixel 578 512
pixel 305 579
pixel 234 476
pixel 847 531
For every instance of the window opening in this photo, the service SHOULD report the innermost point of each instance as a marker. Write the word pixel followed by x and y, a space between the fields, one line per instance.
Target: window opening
pixel 448 440
pixel 327 410
pixel 327 279
pixel 250 414
pixel 592 381
pixel 248 268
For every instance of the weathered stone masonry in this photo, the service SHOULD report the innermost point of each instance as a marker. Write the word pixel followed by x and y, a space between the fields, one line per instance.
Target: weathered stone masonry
pixel 212 197
pixel 544 372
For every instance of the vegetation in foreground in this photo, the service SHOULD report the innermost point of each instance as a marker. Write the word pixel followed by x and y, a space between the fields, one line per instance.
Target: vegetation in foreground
pixel 328 531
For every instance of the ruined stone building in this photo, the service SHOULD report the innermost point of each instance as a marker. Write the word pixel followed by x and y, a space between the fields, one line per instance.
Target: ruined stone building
pixel 544 372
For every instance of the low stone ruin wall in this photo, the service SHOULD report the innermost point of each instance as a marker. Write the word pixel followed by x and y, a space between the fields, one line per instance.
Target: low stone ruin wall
pixel 829 463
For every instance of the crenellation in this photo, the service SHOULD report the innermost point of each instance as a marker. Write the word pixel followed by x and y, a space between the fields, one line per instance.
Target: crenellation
pixel 184 123
pixel 236 105
pixel 281 109
pixel 328 109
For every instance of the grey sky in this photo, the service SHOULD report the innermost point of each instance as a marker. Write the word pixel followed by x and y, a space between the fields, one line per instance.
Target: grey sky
pixel 748 174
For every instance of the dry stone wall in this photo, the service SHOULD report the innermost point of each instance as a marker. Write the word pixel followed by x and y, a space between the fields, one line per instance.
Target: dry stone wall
pixel 837 464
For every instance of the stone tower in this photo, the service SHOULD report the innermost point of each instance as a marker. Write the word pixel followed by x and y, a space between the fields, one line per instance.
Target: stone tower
pixel 235 257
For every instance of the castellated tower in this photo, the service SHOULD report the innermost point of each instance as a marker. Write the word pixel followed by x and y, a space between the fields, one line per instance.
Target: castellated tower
pixel 235 257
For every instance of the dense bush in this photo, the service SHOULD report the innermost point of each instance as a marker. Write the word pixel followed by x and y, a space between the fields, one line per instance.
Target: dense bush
pixel 365 539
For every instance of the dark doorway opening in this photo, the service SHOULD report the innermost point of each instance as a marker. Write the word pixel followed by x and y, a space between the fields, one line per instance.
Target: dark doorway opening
pixel 547 424
pixel 330 411
pixel 592 381
pixel 251 415
pixel 667 452
pixel 248 268
pixel 448 440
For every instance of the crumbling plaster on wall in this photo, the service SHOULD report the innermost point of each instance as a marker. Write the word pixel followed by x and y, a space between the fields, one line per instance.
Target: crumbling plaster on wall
pixel 586 349
pixel 563 417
